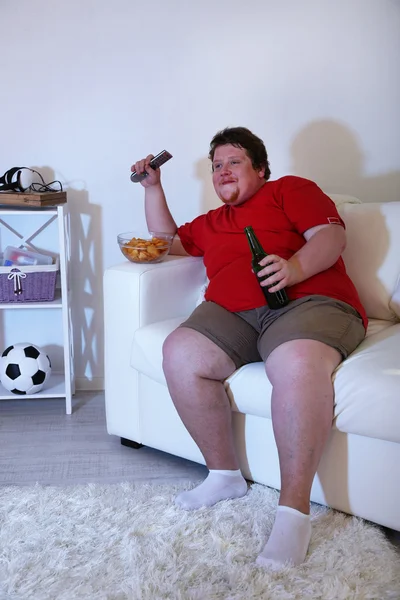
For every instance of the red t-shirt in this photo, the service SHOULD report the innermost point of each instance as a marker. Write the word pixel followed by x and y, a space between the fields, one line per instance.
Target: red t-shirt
pixel 280 212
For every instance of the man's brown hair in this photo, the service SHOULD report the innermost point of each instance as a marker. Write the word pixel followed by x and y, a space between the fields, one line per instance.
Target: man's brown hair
pixel 241 137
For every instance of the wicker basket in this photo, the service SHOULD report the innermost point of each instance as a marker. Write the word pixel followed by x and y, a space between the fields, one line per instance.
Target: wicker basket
pixel 28 284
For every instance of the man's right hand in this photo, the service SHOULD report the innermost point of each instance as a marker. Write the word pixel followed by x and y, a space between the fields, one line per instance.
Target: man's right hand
pixel 153 177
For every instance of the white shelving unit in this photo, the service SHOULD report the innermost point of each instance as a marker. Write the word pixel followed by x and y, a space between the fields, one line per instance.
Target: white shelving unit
pixel 59 385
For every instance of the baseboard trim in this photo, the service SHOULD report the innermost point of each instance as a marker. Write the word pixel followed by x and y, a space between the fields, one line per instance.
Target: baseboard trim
pixel 95 384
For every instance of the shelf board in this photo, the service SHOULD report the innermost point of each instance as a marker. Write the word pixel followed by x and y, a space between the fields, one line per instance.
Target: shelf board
pixel 56 303
pixel 35 199
pixel 54 388
pixel 19 210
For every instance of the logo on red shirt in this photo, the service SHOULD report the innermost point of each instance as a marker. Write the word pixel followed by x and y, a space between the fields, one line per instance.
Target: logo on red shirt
pixel 334 220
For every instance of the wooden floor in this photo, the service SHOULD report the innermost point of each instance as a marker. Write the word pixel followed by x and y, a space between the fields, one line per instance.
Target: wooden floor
pixel 39 443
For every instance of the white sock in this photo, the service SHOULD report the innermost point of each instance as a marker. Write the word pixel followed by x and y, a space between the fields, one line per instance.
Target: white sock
pixel 218 485
pixel 289 539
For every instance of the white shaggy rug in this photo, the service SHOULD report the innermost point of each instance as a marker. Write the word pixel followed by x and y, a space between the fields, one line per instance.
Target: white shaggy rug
pixel 129 542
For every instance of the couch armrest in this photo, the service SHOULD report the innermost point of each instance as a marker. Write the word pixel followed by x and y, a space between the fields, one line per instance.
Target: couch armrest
pixel 145 294
pixel 136 295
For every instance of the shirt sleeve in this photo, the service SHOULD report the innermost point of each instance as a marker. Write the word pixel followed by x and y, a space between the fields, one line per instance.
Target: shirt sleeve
pixel 192 236
pixel 306 205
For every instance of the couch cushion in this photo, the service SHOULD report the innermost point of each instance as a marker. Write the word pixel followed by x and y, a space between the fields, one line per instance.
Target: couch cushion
pixel 340 199
pixel 372 254
pixel 367 384
pixel 367 387
pixel 146 354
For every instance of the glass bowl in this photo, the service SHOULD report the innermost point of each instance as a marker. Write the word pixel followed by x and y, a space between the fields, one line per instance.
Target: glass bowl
pixel 145 246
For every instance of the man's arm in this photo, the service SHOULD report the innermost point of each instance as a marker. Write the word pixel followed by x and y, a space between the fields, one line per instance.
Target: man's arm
pixel 324 245
pixel 158 215
pixel 159 218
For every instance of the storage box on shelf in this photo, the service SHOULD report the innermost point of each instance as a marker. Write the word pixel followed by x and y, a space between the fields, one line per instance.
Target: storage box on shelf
pixel 36 283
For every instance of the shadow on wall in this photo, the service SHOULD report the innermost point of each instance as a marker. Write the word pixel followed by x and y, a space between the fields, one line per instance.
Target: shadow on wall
pixel 86 271
pixel 85 275
pixel 330 154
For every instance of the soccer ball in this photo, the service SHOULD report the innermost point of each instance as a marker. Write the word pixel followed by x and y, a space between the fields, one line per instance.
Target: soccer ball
pixel 24 368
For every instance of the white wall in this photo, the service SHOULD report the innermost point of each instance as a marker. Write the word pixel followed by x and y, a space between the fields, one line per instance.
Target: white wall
pixel 89 86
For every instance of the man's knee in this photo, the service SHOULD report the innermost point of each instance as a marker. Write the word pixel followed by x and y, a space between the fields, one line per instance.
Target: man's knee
pixel 188 350
pixel 176 347
pixel 299 359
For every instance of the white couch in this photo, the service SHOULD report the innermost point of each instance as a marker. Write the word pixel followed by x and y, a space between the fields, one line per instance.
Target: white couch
pixel 360 469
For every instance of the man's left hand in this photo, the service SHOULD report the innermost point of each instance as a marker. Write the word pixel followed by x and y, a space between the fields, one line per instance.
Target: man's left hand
pixel 282 272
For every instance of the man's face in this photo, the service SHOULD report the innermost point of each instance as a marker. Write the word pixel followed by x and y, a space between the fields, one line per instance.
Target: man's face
pixel 234 177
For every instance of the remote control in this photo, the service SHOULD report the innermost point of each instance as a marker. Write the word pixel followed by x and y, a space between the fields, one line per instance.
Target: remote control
pixel 155 163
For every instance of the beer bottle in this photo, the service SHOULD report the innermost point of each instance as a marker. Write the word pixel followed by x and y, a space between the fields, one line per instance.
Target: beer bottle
pixel 274 299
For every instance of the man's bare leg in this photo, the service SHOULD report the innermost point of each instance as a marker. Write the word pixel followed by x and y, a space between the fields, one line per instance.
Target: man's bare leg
pixel 195 368
pixel 302 411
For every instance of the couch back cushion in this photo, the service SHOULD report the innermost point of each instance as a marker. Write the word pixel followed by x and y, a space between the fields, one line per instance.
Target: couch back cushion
pixel 372 255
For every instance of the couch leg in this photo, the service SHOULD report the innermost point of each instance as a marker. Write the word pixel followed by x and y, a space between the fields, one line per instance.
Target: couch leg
pixel 131 444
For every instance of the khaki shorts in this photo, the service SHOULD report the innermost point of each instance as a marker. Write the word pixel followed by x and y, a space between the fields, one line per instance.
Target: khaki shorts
pixel 251 335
